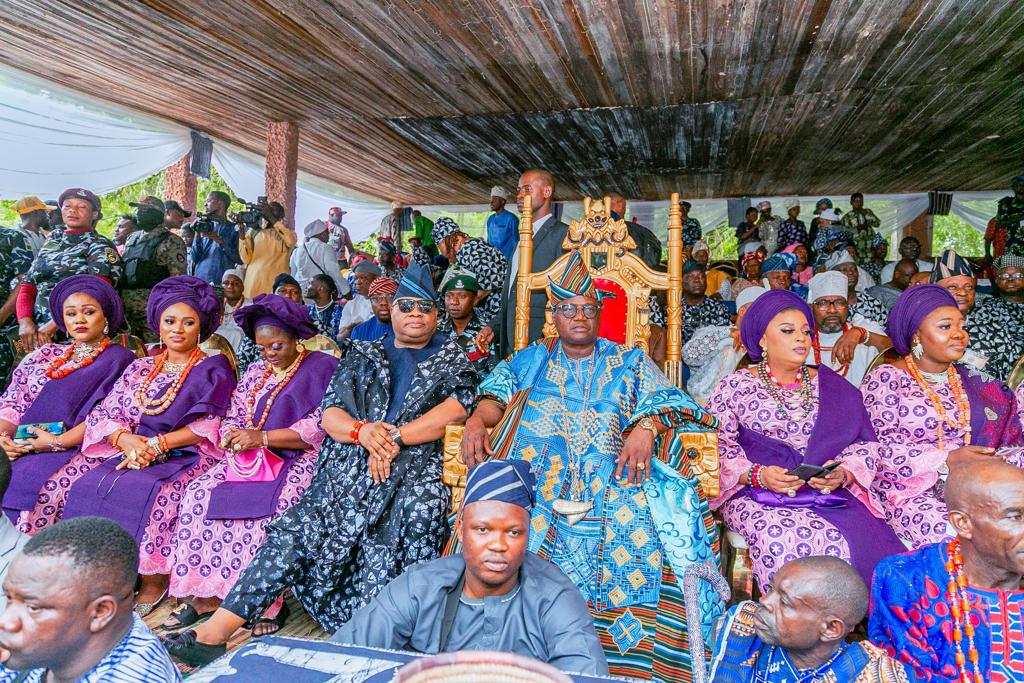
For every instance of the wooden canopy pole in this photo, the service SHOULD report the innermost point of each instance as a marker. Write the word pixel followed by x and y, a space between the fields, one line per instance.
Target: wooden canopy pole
pixel 282 166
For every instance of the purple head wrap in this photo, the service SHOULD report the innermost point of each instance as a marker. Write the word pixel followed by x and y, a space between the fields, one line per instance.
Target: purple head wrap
pixel 94 286
pixel 761 313
pixel 185 289
pixel 276 311
pixel 913 306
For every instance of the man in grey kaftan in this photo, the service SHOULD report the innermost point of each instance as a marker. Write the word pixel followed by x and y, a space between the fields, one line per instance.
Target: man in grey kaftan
pixel 540 615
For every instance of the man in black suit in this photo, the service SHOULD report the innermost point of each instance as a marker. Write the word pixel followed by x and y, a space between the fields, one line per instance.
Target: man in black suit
pixel 548 235
pixel 648 246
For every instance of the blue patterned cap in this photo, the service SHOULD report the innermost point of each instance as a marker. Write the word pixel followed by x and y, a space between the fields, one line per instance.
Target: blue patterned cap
pixel 416 284
pixel 509 481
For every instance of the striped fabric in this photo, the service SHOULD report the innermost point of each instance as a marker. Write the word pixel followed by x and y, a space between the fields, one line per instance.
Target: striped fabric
pixel 574 281
pixel 138 658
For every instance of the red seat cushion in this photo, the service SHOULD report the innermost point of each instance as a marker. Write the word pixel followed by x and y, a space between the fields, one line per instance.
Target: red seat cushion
pixel 613 313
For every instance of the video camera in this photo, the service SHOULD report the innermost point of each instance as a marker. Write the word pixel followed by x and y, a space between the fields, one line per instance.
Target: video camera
pixel 250 217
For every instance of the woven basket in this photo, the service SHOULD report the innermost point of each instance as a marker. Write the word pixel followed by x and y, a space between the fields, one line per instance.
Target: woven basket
pixel 479 667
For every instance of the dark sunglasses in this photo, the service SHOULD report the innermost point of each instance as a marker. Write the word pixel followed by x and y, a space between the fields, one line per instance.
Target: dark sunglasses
pixel 406 305
pixel 568 311
pixel 381 299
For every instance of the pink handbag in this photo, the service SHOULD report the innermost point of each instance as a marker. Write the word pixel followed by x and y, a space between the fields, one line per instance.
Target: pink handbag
pixel 257 464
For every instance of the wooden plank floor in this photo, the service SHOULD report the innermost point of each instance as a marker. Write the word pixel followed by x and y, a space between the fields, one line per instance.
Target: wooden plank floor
pixel 299 625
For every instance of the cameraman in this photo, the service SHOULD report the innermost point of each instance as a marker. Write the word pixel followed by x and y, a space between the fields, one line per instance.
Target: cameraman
pixel 214 248
pixel 150 255
pixel 265 247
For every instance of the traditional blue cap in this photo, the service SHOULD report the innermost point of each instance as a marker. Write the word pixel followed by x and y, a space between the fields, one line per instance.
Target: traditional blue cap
pixel 416 284
pixel 509 481
pixel 777 263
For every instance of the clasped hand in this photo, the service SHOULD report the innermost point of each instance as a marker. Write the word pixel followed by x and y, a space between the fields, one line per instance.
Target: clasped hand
pixel 137 453
pixel 381 449
pixel 244 439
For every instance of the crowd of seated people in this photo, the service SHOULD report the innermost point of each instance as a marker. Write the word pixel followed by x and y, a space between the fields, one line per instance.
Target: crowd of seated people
pixel 867 441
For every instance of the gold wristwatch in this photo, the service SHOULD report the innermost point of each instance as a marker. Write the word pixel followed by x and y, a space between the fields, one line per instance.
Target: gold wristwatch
pixel 647 423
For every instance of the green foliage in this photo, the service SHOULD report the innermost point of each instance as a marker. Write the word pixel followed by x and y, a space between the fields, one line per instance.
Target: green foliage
pixel 949 232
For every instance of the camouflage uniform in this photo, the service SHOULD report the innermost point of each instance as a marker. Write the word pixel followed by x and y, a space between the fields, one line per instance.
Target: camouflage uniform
pixel 65 255
pixel 15 260
pixel 171 254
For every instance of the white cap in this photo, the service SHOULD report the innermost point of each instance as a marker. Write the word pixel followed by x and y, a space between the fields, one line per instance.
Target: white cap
pixel 314 228
pixel 700 245
pixel 748 296
pixel 497 191
pixel 829 283
pixel 837 259
pixel 396 205
pixel 829 214
pixel 751 247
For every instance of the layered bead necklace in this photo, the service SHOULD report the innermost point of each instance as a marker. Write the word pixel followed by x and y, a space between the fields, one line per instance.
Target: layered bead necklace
pixel 960 610
pixel 956 387
pixel 816 345
pixel 251 399
pixel 775 388
pixel 77 356
pixel 181 370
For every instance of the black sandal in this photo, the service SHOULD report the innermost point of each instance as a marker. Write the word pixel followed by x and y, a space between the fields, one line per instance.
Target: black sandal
pixel 277 622
pixel 186 649
pixel 186 615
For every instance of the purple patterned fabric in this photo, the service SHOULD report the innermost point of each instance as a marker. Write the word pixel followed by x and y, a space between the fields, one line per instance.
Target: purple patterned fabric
pixel 910 309
pixel 909 486
pixel 96 287
pixel 776 534
pixel 127 496
pixel 67 400
pixel 761 313
pixel 300 397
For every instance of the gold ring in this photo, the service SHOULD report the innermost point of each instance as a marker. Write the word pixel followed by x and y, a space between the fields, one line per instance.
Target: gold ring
pixel 826 490
pixel 237 447
pixel 641 466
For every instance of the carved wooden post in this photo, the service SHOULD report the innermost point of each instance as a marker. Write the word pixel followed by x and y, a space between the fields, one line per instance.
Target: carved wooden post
pixel 522 326
pixel 674 345
pixel 282 166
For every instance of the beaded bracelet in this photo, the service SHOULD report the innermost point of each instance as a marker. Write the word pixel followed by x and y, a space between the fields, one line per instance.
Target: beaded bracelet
pixel 161 439
pixel 55 446
pixel 755 476
pixel 117 437
pixel 354 434
pixel 266 439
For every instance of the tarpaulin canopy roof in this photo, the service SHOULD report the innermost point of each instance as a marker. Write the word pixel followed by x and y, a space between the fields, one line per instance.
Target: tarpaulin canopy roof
pixel 434 101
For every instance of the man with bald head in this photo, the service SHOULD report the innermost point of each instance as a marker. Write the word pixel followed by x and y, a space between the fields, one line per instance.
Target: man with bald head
pixel 798 631
pixel 548 235
pixel 954 610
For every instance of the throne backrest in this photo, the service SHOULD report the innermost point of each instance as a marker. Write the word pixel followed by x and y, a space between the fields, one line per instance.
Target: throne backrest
pixel 608 250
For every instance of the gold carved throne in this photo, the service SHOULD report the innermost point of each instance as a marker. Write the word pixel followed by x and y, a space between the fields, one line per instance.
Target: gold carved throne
pixel 608 251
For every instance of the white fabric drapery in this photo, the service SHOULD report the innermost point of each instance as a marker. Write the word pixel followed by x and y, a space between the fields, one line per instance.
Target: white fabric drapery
pixel 977 208
pixel 243 171
pixel 54 138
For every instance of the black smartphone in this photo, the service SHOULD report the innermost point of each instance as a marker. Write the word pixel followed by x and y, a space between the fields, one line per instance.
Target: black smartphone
pixel 806 472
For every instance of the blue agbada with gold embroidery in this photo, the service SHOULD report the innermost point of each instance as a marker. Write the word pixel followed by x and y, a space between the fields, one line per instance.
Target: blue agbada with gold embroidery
pixel 628 553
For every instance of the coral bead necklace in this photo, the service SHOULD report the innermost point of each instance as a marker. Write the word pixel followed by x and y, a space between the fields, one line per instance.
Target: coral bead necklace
pixel 963 405
pixel 251 399
pixel 77 356
pixel 159 405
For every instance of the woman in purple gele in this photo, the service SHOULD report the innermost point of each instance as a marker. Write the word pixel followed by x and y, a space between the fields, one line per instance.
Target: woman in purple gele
pixel 778 415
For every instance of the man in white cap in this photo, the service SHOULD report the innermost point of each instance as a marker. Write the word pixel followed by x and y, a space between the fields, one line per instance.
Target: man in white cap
pixel 233 283
pixel 315 256
pixel 829 299
pixel 391 226
pixel 339 239
pixel 502 226
pixel 768 225
pixel 714 351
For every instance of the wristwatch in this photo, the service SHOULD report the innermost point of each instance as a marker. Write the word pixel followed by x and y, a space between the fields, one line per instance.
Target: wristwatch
pixel 154 443
pixel 647 423
pixel 396 436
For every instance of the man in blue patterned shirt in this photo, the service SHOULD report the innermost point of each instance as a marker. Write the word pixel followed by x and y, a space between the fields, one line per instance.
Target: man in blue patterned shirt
pixel 69 616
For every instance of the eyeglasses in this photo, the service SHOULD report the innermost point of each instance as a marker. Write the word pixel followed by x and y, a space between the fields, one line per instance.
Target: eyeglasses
pixel 381 299
pixel 825 304
pixel 569 311
pixel 406 305
pixel 1010 276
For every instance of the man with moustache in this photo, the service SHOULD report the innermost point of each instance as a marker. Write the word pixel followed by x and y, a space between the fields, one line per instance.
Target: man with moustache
pixel 798 632
pixel 494 595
